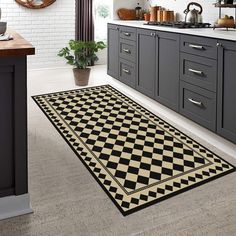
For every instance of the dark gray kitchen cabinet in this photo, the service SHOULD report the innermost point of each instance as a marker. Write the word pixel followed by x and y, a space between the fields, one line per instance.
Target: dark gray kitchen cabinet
pixel 13 126
pixel 113 51
pixel 158 66
pixel 226 99
pixel 167 86
pixel 146 62
pixel 186 73
pixel 198 104
pixel 6 127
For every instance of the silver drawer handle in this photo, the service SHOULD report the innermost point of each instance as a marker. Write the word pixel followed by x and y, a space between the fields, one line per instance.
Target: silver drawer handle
pixel 196 46
pixel 195 102
pixel 153 34
pixel 126 50
pixel 195 71
pixel 126 71
pixel 127 34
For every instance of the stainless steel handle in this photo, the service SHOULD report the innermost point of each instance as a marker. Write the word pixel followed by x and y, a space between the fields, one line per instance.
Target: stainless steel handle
pixel 196 46
pixel 126 50
pixel 126 71
pixel 153 34
pixel 195 102
pixel 219 44
pixel 127 34
pixel 195 71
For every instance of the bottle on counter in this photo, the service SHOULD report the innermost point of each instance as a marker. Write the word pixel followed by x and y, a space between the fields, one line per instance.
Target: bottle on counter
pixel 138 12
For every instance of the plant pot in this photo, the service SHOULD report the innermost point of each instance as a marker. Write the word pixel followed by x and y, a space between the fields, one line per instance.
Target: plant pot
pixel 81 76
pixel 147 16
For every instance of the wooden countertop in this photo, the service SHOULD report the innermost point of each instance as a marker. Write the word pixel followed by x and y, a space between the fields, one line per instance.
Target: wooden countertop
pixel 16 47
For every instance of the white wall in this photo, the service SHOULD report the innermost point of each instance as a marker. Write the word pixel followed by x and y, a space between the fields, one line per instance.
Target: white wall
pixel 50 29
pixel 210 13
pixel 47 29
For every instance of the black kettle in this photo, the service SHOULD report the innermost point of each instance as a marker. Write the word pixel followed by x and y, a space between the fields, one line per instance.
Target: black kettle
pixel 193 16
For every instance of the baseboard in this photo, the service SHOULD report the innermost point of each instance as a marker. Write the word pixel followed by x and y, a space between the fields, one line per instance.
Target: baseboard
pixel 15 206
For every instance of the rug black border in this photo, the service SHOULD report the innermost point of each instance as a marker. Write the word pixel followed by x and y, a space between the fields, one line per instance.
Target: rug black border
pixel 125 213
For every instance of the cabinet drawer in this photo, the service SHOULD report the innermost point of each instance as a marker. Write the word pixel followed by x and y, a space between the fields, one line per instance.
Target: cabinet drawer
pixel 198 71
pixel 198 104
pixel 128 33
pixel 127 50
pixel 127 72
pixel 200 46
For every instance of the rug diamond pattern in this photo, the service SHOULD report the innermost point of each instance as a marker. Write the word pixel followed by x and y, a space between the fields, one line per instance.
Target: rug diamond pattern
pixel 136 157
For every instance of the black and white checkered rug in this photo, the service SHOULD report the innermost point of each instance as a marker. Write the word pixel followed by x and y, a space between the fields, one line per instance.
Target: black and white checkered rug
pixel 135 156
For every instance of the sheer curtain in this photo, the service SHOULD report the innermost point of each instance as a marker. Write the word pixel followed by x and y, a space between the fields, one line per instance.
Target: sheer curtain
pixel 84 20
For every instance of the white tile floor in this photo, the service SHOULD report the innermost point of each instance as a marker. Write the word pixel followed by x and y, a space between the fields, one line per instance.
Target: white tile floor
pixel 52 80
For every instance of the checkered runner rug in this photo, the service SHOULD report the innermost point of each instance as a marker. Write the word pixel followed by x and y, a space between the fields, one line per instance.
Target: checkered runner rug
pixel 135 156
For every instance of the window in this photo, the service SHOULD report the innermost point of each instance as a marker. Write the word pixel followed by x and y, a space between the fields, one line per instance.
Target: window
pixel 102 14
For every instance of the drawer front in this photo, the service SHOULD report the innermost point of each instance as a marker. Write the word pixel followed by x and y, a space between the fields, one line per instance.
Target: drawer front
pixel 200 46
pixel 198 104
pixel 198 71
pixel 127 72
pixel 127 50
pixel 128 33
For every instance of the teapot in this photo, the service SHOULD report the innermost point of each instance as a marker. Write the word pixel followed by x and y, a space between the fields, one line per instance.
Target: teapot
pixel 193 16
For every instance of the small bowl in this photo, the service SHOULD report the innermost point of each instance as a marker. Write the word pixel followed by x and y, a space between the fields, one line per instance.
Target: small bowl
pixel 3 27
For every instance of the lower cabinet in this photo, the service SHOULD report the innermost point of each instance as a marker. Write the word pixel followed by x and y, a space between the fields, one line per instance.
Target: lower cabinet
pixel 113 51
pixel 158 66
pixel 6 127
pixel 226 100
pixel 185 73
pixel 13 126
pixel 146 62
pixel 127 72
pixel 167 87
pixel 198 104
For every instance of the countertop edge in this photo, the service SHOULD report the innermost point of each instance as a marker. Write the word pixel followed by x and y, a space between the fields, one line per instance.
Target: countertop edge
pixel 16 47
pixel 221 34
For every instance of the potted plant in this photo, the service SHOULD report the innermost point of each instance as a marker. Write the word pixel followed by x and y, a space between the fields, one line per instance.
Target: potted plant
pixel 81 54
pixel 146 15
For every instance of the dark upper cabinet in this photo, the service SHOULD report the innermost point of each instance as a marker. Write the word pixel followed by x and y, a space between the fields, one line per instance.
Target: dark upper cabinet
pixel 113 51
pixel 226 100
pixel 167 87
pixel 146 62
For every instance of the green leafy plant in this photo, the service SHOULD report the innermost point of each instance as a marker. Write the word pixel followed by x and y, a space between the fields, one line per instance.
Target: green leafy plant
pixel 103 11
pixel 81 54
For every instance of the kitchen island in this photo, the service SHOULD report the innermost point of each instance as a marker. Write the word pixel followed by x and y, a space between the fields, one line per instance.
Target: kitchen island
pixel 191 71
pixel 14 197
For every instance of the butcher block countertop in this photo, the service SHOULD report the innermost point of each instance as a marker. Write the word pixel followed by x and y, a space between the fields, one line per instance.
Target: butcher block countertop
pixel 16 47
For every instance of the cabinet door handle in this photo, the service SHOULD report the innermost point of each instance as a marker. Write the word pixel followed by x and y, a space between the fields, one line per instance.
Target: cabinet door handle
pixel 117 28
pixel 219 44
pixel 126 51
pixel 153 34
pixel 127 34
pixel 196 46
pixel 195 102
pixel 198 72
pixel 126 71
